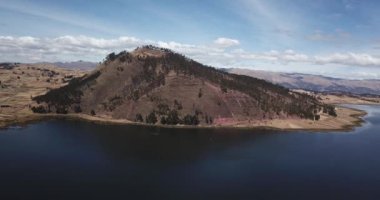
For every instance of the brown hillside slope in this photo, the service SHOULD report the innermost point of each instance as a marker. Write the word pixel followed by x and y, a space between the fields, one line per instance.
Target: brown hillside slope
pixel 152 84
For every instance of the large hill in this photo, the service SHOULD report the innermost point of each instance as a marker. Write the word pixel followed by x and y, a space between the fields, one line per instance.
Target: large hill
pixel 156 85
pixel 314 82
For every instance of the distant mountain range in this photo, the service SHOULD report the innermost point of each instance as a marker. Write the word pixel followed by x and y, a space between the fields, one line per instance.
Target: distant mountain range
pixel 77 65
pixel 316 83
pixel 155 85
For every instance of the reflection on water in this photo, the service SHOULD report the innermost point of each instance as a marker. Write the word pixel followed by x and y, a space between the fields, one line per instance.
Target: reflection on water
pixel 63 159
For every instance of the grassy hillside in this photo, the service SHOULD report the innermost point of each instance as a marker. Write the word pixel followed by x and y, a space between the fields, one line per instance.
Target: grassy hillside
pixel 155 85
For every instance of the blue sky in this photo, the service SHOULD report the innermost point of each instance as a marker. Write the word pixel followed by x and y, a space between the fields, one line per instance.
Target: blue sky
pixel 331 37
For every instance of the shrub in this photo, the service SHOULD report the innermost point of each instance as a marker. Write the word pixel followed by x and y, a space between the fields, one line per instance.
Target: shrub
pixel 139 118
pixel 163 109
pixel 172 118
pixel 332 112
pixel 191 120
pixel 39 109
pixel 163 120
pixel 151 118
pixel 317 117
pixel 77 109
pixel 135 95
pixel 224 89
pixel 111 56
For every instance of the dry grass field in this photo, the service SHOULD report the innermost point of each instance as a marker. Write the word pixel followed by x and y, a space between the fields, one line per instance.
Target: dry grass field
pixel 19 83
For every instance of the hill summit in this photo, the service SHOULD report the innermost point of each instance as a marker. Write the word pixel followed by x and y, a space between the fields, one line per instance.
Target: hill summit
pixel 156 85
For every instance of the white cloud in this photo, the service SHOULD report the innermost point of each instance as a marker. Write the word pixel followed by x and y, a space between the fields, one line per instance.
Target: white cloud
pixel 290 56
pixel 284 57
pixel 31 49
pixel 69 48
pixel 99 43
pixel 349 59
pixel 226 42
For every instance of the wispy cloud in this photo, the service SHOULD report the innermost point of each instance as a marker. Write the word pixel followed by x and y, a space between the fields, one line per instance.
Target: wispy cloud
pixel 58 15
pixel 349 4
pixel 337 35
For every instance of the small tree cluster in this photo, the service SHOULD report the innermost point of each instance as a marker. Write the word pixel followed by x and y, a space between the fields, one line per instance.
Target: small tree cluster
pixel 38 109
pixel 111 56
pixel 208 119
pixel 151 118
pixel 190 120
pixel 171 119
pixel 329 109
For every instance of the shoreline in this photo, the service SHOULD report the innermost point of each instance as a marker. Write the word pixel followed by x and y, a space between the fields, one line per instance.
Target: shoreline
pixel 348 118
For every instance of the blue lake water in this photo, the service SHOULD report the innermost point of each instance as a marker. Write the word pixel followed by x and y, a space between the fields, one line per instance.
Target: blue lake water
pixel 66 159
